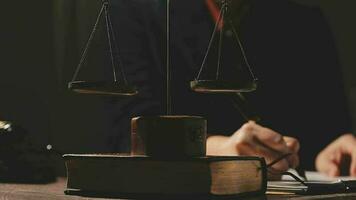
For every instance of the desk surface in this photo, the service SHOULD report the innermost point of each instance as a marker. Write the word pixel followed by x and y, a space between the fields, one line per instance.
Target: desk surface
pixel 55 191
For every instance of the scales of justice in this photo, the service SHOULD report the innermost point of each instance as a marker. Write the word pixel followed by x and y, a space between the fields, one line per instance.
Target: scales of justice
pixel 168 136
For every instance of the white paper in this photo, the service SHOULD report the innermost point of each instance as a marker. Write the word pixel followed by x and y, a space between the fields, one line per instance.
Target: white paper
pixel 317 176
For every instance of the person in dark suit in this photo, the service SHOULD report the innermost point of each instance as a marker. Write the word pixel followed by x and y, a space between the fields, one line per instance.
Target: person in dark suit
pixel 290 48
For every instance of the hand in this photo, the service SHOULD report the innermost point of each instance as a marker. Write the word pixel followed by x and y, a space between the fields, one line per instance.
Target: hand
pixel 330 160
pixel 254 140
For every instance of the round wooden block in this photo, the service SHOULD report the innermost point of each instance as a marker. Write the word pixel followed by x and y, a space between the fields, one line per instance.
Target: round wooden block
pixel 169 136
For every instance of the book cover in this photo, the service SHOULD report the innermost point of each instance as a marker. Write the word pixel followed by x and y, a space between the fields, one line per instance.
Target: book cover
pixel 110 175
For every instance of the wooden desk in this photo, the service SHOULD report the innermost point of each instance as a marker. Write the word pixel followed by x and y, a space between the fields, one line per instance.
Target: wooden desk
pixel 55 191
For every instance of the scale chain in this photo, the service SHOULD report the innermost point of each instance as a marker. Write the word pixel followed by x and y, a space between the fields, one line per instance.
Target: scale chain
pixel 91 37
pixel 210 45
pixel 224 9
pixel 109 40
pixel 243 51
pixel 120 63
pixel 221 17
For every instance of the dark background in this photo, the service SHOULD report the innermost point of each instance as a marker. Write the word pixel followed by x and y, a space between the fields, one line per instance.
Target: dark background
pixel 40 46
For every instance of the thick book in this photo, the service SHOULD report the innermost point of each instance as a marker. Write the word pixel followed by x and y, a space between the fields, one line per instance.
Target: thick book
pixel 138 176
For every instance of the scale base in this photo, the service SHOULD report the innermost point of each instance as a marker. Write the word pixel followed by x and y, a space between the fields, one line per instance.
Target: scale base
pixel 180 136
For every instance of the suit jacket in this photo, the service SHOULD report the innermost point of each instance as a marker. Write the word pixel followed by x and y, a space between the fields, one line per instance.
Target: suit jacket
pixel 289 46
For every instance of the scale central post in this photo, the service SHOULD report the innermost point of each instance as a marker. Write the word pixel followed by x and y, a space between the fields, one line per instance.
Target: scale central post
pixel 168 81
pixel 180 136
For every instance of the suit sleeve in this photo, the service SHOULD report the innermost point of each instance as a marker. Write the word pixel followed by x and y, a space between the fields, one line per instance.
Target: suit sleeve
pixel 323 87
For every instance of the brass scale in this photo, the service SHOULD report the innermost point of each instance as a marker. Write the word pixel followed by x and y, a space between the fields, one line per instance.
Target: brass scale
pixel 213 86
pixel 123 88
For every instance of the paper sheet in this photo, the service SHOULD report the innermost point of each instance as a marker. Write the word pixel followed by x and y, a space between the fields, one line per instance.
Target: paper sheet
pixel 289 186
pixel 317 176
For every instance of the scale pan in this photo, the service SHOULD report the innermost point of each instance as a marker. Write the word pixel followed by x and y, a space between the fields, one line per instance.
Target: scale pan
pixel 102 88
pixel 220 86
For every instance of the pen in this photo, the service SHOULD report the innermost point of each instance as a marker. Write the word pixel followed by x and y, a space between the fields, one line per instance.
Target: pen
pixel 301 171
pixel 241 104
pixel 331 187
